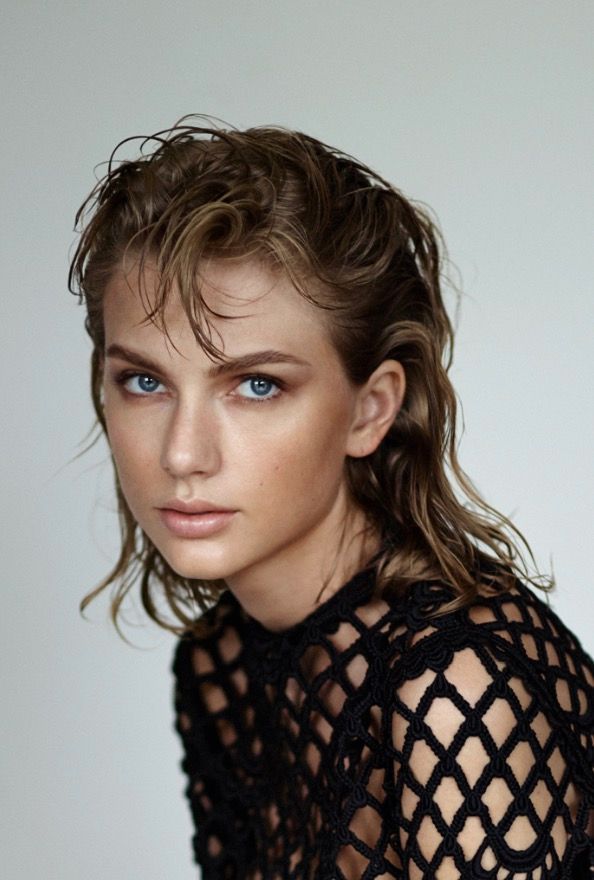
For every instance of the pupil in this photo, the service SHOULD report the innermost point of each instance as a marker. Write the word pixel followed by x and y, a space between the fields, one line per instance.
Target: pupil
pixel 260 382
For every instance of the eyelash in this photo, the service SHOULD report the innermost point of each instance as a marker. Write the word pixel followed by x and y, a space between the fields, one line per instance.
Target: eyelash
pixel 122 378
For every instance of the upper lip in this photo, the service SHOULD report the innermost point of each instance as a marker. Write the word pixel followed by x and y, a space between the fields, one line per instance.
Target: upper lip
pixel 196 506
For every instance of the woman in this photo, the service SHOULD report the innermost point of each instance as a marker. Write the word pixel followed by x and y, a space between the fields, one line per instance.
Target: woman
pixel 370 688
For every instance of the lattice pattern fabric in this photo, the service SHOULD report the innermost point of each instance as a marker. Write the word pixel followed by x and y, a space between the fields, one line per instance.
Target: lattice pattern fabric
pixel 368 742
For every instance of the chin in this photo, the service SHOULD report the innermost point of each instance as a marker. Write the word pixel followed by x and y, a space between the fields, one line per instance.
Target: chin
pixel 197 563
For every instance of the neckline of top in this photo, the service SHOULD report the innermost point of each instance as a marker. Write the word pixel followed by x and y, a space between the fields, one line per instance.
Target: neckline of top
pixel 356 587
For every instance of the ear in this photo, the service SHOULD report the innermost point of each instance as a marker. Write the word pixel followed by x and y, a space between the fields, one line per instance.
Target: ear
pixel 377 404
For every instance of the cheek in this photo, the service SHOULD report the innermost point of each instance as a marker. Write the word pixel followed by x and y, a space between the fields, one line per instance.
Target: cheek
pixel 132 447
pixel 309 453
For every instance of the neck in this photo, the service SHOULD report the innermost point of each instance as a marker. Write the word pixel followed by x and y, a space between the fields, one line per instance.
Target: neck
pixel 284 589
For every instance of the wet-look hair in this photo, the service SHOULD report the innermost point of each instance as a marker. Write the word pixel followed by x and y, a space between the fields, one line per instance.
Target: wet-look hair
pixel 372 261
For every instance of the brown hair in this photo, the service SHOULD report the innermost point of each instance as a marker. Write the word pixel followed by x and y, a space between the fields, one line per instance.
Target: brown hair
pixel 372 260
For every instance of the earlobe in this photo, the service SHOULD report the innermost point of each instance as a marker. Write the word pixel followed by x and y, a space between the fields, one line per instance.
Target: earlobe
pixel 377 407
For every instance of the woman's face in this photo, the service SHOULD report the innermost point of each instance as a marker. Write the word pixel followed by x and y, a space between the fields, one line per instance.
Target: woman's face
pixel 267 442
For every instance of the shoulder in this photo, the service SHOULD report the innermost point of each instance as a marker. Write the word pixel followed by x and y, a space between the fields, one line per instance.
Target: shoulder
pixel 506 659
pixel 514 623
pixel 491 722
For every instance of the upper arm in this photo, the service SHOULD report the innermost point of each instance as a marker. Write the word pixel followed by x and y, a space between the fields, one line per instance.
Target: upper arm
pixel 481 781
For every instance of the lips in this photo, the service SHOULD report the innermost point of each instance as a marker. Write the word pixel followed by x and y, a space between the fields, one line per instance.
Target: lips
pixel 196 525
pixel 197 506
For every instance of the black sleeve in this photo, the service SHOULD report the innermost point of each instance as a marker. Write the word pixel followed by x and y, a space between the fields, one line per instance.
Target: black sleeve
pixel 486 774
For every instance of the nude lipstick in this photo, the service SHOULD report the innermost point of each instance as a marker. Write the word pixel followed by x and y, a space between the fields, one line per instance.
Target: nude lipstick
pixel 195 519
pixel 196 525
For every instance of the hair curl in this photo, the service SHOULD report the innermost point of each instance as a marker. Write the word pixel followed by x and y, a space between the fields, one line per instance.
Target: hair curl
pixel 371 260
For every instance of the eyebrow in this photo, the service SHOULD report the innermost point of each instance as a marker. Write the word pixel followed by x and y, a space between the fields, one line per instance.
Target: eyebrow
pixel 244 362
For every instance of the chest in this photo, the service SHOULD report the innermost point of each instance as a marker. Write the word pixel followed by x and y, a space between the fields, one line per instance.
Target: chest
pixel 304 758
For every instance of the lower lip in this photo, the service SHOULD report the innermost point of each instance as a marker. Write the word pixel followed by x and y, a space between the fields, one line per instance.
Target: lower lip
pixel 196 525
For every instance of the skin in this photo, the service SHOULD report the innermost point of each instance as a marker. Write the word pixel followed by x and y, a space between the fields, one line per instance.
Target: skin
pixel 178 433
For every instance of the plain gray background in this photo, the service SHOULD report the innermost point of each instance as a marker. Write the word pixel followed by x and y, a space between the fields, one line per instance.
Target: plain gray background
pixel 482 110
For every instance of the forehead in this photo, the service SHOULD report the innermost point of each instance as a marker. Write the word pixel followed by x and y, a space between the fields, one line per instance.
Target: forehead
pixel 254 304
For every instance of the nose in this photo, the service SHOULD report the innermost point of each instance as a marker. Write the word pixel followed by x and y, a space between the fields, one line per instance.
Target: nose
pixel 191 440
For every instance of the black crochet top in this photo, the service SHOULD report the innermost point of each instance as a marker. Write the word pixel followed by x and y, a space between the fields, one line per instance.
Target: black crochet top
pixel 367 742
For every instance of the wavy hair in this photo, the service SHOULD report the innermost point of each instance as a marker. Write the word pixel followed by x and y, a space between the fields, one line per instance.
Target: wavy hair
pixel 372 261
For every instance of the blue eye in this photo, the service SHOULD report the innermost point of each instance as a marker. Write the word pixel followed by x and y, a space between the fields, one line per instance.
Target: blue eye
pixel 261 386
pixel 147 382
